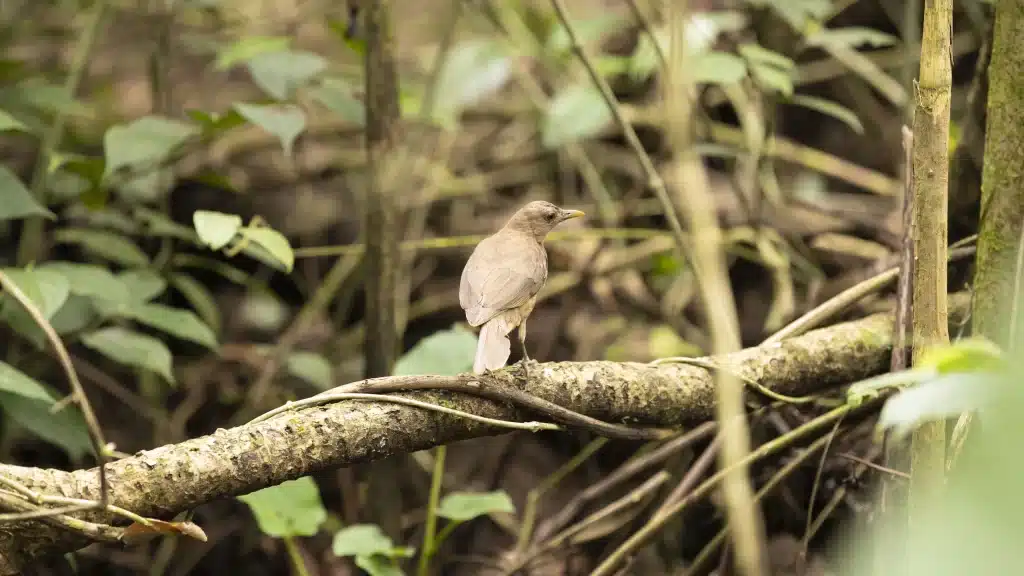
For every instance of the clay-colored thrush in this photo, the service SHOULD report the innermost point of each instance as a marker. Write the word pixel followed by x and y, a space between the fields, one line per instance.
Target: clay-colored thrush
pixel 502 278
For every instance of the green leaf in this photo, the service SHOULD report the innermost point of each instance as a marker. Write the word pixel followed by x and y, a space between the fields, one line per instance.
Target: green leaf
pixel 463 506
pixel 10 123
pixel 76 314
pixel 312 368
pixel 280 73
pixel 445 352
pixel 718 68
pixel 143 284
pixel 757 54
pixel 273 242
pixel 216 229
pixel 147 141
pixel 66 428
pixel 214 123
pixel 858 392
pixel 48 97
pixel 131 349
pixel 944 397
pixel 90 280
pixel 472 71
pixel 249 47
pixel 157 224
pixel 576 113
pixel 772 78
pixel 47 289
pixel 292 508
pixel 361 540
pixel 200 298
pixel 15 381
pixel 378 566
pixel 16 201
pixel 339 97
pixel 852 37
pixel 104 244
pixel 975 354
pixel 284 121
pixel 797 13
pixel 181 323
pixel 830 108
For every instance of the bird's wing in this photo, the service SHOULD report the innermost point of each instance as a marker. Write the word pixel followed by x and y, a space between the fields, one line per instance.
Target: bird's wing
pixel 500 277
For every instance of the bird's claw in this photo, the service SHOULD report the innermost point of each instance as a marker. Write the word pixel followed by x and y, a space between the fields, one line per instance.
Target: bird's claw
pixel 524 365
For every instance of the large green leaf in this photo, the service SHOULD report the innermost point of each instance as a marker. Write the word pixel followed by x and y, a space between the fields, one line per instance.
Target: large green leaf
pixel 10 123
pixel 463 506
pixel 65 428
pixel 378 566
pixel 90 280
pixel 576 113
pixel 361 540
pixel 830 108
pixel 47 289
pixel 718 68
pixel 143 284
pixel 216 229
pixel 146 141
pixel 339 97
pixel 292 508
pixel 445 352
pixel 284 121
pixel 16 201
pixel 28 403
pixel 280 73
pixel 181 323
pixel 275 243
pixel 14 381
pixel 199 297
pixel 131 349
pixel 105 244
pixel 249 47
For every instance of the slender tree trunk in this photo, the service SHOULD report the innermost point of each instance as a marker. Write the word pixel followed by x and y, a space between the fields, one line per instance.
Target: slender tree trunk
pixel 930 234
pixel 1002 192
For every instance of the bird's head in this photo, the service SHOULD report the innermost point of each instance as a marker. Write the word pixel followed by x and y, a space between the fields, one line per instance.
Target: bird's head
pixel 539 217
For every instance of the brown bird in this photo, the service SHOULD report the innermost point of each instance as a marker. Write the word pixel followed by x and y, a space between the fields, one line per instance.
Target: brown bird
pixel 502 278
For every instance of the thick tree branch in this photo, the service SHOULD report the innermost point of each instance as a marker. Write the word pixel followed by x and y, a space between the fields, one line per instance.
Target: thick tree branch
pixel 172 478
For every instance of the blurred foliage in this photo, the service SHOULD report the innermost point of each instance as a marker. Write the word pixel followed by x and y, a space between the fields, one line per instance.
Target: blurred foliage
pixel 92 237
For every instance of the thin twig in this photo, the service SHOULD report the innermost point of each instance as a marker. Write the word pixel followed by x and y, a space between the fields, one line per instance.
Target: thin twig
pixel 654 180
pixel 847 298
pixel 534 496
pixel 331 397
pixel 705 554
pixel 475 385
pixel 99 445
pixel 609 564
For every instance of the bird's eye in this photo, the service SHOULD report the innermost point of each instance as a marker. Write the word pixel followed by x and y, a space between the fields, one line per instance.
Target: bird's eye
pixel 550 215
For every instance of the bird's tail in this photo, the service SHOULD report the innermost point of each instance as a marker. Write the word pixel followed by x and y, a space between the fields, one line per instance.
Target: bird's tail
pixel 493 348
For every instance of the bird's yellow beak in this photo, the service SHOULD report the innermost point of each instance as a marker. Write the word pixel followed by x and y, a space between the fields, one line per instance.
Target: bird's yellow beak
pixel 570 214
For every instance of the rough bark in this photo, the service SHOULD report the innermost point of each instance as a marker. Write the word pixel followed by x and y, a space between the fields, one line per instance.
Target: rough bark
pixel 930 232
pixel 381 229
pixel 166 480
pixel 1002 195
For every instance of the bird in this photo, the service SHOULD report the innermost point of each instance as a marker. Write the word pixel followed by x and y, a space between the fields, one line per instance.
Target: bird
pixel 502 277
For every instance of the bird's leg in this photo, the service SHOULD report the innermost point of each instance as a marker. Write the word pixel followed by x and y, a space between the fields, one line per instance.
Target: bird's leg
pixel 526 357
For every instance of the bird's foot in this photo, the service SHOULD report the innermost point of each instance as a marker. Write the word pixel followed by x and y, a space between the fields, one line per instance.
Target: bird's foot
pixel 524 365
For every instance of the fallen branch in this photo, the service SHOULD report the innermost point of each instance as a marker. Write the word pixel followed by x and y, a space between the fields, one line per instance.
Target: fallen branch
pixel 166 480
